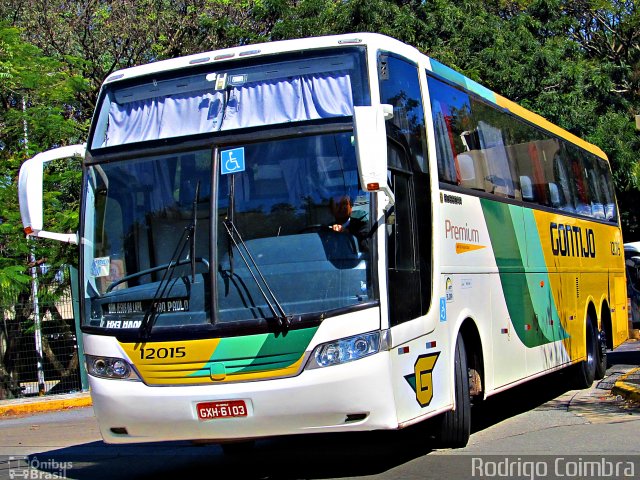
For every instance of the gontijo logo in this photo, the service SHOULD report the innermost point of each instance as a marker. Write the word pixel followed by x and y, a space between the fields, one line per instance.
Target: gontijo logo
pixel 572 241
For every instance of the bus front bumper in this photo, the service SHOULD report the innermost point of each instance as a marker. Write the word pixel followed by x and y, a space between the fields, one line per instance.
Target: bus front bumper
pixel 355 396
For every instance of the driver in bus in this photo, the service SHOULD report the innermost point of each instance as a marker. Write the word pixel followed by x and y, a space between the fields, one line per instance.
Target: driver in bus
pixel 348 220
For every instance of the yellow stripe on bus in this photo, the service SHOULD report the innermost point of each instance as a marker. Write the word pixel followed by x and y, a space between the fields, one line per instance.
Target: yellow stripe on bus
pixel 547 125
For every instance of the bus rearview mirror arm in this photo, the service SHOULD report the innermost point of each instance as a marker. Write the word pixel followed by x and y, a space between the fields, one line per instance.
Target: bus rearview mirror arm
pixel 370 135
pixel 30 192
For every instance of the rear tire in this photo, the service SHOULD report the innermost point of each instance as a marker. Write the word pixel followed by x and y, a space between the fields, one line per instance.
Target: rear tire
pixel 586 370
pixel 455 427
pixel 601 355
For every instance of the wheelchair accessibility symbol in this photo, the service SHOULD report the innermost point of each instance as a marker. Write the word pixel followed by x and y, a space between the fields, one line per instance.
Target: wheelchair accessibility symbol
pixel 232 161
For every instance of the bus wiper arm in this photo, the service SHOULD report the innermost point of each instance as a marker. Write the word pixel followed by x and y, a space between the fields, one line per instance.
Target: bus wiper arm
pixel 188 235
pixel 151 313
pixel 192 237
pixel 275 307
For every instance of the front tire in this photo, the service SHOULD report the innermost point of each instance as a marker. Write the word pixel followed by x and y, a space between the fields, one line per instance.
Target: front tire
pixel 455 427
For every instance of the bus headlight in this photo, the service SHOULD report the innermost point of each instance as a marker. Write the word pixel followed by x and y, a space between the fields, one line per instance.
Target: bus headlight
pixel 109 367
pixel 345 350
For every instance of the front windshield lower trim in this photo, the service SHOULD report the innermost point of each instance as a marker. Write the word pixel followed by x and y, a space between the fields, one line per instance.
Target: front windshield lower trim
pixel 227 329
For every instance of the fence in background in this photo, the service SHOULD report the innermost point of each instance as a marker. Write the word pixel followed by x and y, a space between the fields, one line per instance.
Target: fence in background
pixel 40 357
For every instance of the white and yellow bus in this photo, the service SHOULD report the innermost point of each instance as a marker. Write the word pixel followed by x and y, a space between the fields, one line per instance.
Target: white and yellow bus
pixel 227 294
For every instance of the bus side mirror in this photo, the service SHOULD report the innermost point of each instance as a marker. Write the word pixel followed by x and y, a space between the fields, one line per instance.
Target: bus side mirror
pixel 30 192
pixel 370 135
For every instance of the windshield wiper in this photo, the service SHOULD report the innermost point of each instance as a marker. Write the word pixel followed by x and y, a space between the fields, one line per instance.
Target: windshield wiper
pixel 151 313
pixel 147 271
pixel 276 309
pixel 194 227
pixel 188 235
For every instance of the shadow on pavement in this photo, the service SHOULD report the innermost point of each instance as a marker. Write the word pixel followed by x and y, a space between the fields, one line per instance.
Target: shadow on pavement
pixel 520 399
pixel 624 357
pixel 308 456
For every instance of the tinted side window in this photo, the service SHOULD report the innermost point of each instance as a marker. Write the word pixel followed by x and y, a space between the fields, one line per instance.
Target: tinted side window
pixel 606 183
pixel 580 185
pixel 471 142
pixel 451 111
pixel 399 86
pixel 561 190
pixel 481 147
pixel 592 174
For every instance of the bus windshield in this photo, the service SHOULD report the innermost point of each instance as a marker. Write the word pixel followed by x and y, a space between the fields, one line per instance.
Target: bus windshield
pixel 227 234
pixel 306 87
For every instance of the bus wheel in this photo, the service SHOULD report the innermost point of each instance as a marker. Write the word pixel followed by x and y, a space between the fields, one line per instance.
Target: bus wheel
pixel 455 427
pixel 601 355
pixel 586 370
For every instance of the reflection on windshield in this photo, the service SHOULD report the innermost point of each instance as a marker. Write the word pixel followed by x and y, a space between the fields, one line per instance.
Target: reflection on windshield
pixel 137 212
pixel 295 203
pixel 279 196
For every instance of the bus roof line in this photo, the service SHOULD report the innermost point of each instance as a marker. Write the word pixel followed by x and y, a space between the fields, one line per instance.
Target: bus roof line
pixel 262 49
pixel 374 40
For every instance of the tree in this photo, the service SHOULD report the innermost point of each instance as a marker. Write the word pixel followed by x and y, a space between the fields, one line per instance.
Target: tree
pixel 38 110
pixel 94 38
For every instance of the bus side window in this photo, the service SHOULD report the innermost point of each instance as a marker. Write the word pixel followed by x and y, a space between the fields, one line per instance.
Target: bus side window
pixel 583 203
pixel 593 181
pixel 607 190
pixel 562 179
pixel 499 179
pixel 451 110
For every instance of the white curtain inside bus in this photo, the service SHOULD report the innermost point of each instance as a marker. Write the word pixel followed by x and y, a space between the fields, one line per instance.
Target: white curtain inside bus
pixel 305 97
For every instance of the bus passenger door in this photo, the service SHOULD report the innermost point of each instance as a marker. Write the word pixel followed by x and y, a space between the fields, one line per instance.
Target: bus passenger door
pixel 402 267
pixel 408 260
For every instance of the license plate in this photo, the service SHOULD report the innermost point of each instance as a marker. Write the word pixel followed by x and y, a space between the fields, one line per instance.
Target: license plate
pixel 223 409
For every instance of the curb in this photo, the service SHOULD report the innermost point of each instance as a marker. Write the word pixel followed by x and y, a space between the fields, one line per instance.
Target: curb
pixel 628 390
pixel 39 405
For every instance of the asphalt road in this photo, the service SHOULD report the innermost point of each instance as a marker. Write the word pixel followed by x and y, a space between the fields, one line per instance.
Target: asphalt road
pixel 538 423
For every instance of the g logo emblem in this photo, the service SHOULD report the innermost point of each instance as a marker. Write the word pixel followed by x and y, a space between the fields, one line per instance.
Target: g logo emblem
pixel 424 377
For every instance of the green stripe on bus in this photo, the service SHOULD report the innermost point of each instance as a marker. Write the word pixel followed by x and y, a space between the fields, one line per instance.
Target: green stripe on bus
pixel 268 351
pixel 531 308
pixel 543 300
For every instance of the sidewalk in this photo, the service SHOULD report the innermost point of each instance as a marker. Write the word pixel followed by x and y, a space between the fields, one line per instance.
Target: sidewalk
pixel 628 385
pixel 25 406
pixel 627 355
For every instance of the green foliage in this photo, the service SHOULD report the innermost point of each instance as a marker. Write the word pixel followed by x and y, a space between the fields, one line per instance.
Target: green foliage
pixel 38 110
